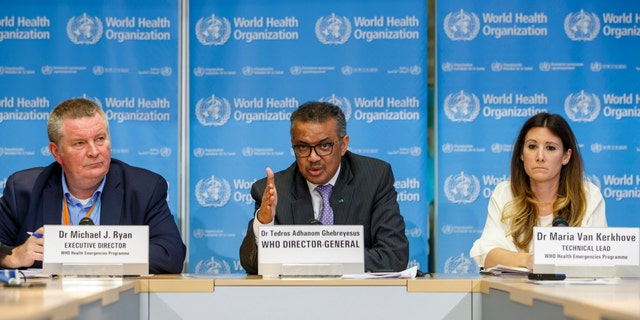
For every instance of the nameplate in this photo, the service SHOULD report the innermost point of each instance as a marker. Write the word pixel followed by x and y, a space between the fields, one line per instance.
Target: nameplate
pixel 96 250
pixel 310 250
pixel 608 251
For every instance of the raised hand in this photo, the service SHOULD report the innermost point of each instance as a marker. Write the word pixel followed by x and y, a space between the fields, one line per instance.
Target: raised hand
pixel 269 200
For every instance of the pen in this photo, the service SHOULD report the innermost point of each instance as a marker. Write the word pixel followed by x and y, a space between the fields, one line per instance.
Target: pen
pixel 37 235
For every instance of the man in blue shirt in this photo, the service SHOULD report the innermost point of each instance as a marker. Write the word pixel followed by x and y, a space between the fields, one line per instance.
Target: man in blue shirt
pixel 85 182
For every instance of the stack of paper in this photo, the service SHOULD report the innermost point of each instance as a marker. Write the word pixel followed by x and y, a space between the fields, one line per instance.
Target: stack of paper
pixel 406 274
pixel 501 270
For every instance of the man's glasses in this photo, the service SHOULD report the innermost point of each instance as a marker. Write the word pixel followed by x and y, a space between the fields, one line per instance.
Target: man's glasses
pixel 321 149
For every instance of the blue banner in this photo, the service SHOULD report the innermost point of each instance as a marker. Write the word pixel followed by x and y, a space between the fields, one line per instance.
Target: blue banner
pixel 499 63
pixel 121 54
pixel 252 64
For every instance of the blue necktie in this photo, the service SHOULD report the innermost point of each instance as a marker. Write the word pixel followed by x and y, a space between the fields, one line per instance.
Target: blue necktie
pixel 326 215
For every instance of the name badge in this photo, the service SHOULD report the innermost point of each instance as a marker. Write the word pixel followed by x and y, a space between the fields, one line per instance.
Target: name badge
pixel 587 251
pixel 310 250
pixel 96 250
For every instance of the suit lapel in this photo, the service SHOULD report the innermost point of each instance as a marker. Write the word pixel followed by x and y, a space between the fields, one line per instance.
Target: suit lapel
pixel 301 208
pixel 342 194
pixel 301 211
pixel 112 195
pixel 51 202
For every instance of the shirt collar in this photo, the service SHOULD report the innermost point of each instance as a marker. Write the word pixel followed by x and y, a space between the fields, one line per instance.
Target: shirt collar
pixel 70 198
pixel 332 181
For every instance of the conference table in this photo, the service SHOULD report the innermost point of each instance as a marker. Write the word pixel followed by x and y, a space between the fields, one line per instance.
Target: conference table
pixel 436 296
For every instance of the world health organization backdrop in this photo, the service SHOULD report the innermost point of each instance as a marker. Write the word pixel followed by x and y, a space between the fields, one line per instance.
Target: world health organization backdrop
pixel 123 58
pixel 249 65
pixel 499 63
pixel 252 63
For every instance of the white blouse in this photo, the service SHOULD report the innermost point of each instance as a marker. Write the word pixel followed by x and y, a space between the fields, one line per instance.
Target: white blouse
pixel 495 233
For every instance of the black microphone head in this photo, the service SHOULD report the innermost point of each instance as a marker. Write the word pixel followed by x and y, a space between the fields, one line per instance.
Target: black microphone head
pixel 314 221
pixel 559 221
pixel 86 221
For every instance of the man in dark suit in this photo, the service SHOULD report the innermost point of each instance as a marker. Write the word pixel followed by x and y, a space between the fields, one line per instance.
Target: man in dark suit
pixel 362 191
pixel 85 182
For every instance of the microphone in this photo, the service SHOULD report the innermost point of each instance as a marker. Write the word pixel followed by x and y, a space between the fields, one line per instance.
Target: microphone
pixel 5 249
pixel 86 221
pixel 559 221
pixel 314 222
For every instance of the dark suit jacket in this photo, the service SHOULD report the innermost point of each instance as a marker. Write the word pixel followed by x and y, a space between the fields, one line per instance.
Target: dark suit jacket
pixel 363 195
pixel 131 196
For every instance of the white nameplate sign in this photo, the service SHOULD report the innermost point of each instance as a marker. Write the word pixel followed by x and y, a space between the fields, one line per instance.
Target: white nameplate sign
pixel 587 252
pixel 310 250
pixel 96 250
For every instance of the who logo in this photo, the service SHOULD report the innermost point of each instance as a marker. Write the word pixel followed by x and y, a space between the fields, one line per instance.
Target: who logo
pixel 462 106
pixel 461 25
pixel 582 26
pixel 212 266
pixel 213 192
pixel 84 29
pixel 342 102
pixel 333 29
pixel 213 30
pixel 462 188
pixel 213 111
pixel 582 106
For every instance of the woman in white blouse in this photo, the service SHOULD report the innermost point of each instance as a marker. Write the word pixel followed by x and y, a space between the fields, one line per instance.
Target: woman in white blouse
pixel 547 181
